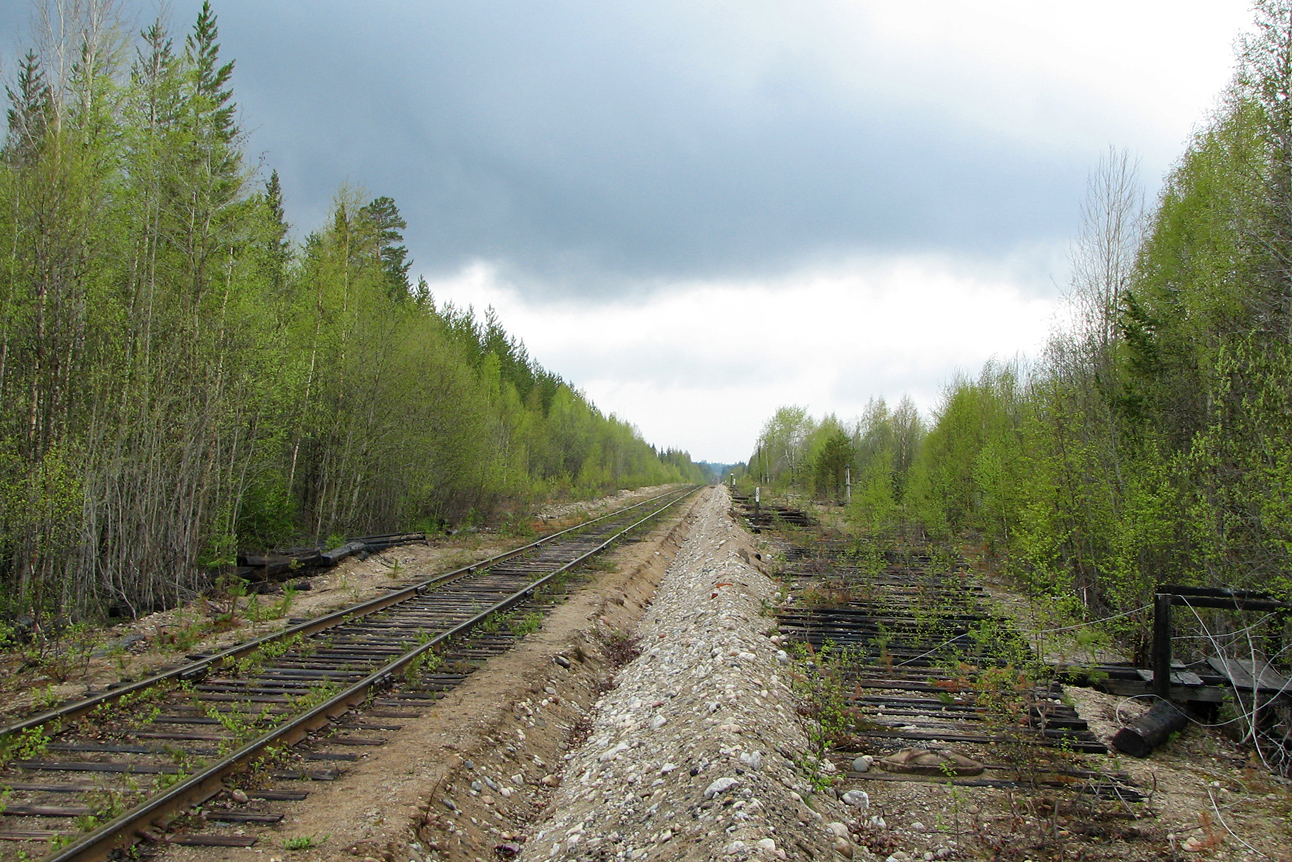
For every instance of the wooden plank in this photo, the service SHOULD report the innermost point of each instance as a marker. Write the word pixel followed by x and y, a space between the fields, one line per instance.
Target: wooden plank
pixel 30 835
pixel 1240 675
pixel 46 811
pixel 83 766
pixel 243 817
pixel 1183 677
pixel 1136 688
pixel 279 795
pixel 301 775
pixel 36 787
pixel 212 840
pixel 194 736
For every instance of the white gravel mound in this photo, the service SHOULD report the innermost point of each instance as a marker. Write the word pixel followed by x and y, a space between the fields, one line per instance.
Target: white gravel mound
pixel 692 755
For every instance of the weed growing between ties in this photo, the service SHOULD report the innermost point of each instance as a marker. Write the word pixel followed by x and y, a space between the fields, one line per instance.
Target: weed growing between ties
pixel 817 678
pixel 255 660
pixel 27 744
pixel 427 661
pixel 528 624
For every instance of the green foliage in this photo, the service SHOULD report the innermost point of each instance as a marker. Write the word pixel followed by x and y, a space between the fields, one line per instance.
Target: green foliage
pixel 528 624
pixel 818 681
pixel 182 380
pixel 27 744
pixel 1152 442
pixel 304 842
pixel 833 458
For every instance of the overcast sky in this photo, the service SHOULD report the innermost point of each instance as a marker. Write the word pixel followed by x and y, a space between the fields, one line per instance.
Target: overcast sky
pixel 697 212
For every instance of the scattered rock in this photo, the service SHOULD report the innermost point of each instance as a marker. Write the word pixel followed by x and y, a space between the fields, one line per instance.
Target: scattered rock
pixel 858 798
pixel 863 763
pixel 720 785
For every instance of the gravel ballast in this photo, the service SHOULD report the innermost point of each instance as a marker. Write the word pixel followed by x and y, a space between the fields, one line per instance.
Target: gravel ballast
pixel 697 751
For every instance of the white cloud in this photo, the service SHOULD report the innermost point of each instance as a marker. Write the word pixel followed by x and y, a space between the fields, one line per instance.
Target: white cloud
pixel 1044 71
pixel 702 366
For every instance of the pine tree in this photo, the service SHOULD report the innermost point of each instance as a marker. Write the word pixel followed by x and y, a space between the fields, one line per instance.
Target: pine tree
pixel 388 226
pixel 30 112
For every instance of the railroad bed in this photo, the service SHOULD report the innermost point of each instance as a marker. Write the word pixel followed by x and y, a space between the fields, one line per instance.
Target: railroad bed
pixel 923 663
pixel 96 775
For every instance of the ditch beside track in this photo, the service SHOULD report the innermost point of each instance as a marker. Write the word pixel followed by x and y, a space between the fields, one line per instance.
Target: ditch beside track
pixel 97 774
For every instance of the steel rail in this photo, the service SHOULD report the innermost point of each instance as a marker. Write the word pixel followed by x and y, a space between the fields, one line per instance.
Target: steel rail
pixel 199 787
pixel 199 668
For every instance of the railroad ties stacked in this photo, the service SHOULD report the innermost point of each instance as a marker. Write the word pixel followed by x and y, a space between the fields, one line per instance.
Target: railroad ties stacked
pixel 85 778
pixel 926 666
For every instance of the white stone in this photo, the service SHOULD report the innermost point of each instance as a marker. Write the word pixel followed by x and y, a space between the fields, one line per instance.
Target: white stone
pixel 720 785
pixel 863 763
pixel 859 798
pixel 837 829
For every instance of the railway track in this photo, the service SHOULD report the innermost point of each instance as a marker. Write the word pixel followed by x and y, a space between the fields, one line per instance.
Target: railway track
pixel 925 665
pixel 94 776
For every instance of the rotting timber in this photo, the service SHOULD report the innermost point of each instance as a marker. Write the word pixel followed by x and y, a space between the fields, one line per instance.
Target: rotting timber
pixel 923 664
pixel 98 775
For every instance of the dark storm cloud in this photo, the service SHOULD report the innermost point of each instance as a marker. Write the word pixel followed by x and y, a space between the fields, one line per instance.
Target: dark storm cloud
pixel 596 146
